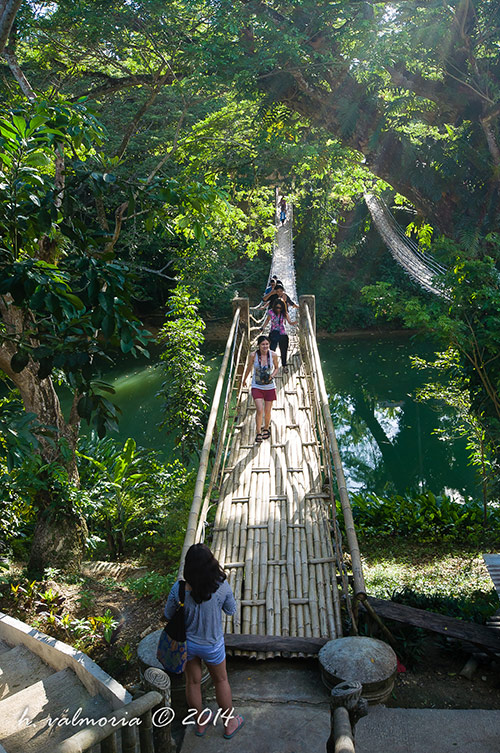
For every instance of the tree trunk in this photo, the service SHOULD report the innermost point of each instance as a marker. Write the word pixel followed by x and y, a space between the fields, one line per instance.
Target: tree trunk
pixel 59 539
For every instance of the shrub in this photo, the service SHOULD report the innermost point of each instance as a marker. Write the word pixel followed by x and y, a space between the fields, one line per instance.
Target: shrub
pixel 152 584
pixel 426 516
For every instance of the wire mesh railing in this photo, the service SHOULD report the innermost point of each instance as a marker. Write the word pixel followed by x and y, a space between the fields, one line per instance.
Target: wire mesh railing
pixel 421 267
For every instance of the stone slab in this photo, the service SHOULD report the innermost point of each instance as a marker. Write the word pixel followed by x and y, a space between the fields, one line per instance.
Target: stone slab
pixel 268 728
pixel 305 728
pixel 428 731
pixel 276 680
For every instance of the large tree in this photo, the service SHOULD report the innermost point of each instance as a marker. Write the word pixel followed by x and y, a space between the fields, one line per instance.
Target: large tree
pixel 413 87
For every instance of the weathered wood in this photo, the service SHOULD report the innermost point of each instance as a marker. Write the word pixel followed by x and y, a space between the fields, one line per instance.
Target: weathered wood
pixel 276 643
pixel 109 744
pixel 359 584
pixel 479 635
pixel 192 523
pixel 86 738
pixel 129 740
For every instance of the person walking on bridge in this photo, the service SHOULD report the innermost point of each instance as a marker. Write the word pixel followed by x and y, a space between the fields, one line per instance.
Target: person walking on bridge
pixel 283 210
pixel 264 365
pixel 277 335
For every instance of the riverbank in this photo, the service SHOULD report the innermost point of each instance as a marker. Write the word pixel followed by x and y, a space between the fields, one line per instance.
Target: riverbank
pixel 217 331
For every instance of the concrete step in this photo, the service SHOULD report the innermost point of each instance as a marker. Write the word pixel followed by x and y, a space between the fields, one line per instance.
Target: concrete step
pixel 47 701
pixel 286 710
pixel 19 668
pixel 284 703
pixel 440 731
pixel 269 728
pixel 302 728
pixel 279 680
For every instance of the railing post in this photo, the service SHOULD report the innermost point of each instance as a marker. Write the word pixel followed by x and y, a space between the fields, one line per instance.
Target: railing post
pixel 346 708
pixel 310 302
pixel 157 679
pixel 244 305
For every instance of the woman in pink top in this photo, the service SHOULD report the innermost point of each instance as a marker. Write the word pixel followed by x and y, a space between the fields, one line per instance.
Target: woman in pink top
pixel 278 336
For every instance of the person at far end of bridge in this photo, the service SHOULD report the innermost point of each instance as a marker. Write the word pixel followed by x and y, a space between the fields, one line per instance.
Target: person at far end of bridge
pixel 263 364
pixel 207 594
pixel 279 294
pixel 277 335
pixel 283 210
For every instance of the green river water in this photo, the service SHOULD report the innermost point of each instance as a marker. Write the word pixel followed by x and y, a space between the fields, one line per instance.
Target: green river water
pixel 387 440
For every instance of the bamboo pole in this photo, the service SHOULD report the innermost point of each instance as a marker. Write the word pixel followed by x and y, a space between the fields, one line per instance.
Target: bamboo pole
pixel 357 570
pixel 205 452
pixel 86 738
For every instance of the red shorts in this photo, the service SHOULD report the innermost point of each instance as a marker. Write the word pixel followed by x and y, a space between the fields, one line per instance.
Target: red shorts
pixel 267 395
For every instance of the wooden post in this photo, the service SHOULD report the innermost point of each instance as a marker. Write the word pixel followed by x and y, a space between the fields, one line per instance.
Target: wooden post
pixel 308 301
pixel 87 738
pixel 146 733
pixel 129 740
pixel 159 681
pixel 346 707
pixel 109 745
pixel 244 306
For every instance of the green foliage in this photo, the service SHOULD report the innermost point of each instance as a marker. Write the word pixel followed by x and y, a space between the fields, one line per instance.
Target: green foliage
pixel 476 607
pixel 431 518
pixel 43 607
pixel 154 585
pixel 184 389
pixel 128 494
pixel 451 386
pixel 469 322
pixel 18 432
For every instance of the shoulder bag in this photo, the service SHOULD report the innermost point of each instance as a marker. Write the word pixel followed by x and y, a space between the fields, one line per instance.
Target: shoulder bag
pixel 172 646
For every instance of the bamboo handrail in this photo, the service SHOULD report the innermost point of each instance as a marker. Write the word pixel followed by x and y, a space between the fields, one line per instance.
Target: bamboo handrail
pixel 192 524
pixel 87 738
pixel 352 540
pixel 222 436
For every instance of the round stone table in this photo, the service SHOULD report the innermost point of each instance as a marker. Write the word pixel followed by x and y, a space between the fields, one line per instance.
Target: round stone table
pixel 372 662
pixel 146 651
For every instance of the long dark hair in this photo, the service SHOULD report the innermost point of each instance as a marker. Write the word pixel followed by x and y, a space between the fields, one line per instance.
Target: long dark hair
pixel 260 340
pixel 281 304
pixel 202 572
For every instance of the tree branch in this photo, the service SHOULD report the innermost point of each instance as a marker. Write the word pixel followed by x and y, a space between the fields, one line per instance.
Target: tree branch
pixel 130 130
pixel 175 146
pixel 116 84
pixel 8 13
pixel 11 59
pixel 118 227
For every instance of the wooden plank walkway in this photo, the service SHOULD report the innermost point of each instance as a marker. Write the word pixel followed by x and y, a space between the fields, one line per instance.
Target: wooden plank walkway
pixel 272 529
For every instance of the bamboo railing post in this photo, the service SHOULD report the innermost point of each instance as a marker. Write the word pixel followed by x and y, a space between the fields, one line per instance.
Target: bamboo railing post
pixel 309 302
pixel 346 707
pixel 109 744
pixel 359 582
pixel 157 680
pixel 205 452
pixel 243 304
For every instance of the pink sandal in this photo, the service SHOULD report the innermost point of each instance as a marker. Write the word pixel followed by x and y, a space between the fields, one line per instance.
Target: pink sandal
pixel 241 722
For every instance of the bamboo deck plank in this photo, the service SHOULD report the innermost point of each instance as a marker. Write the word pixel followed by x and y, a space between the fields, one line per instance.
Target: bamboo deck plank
pixel 271 526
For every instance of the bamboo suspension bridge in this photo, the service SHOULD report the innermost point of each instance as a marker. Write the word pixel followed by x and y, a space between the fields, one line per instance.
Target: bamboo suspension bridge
pixel 268 511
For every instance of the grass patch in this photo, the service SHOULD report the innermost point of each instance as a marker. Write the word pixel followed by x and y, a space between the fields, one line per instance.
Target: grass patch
pixel 439 572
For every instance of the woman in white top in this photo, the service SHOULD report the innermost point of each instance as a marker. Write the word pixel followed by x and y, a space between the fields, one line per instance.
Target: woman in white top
pixel 264 366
